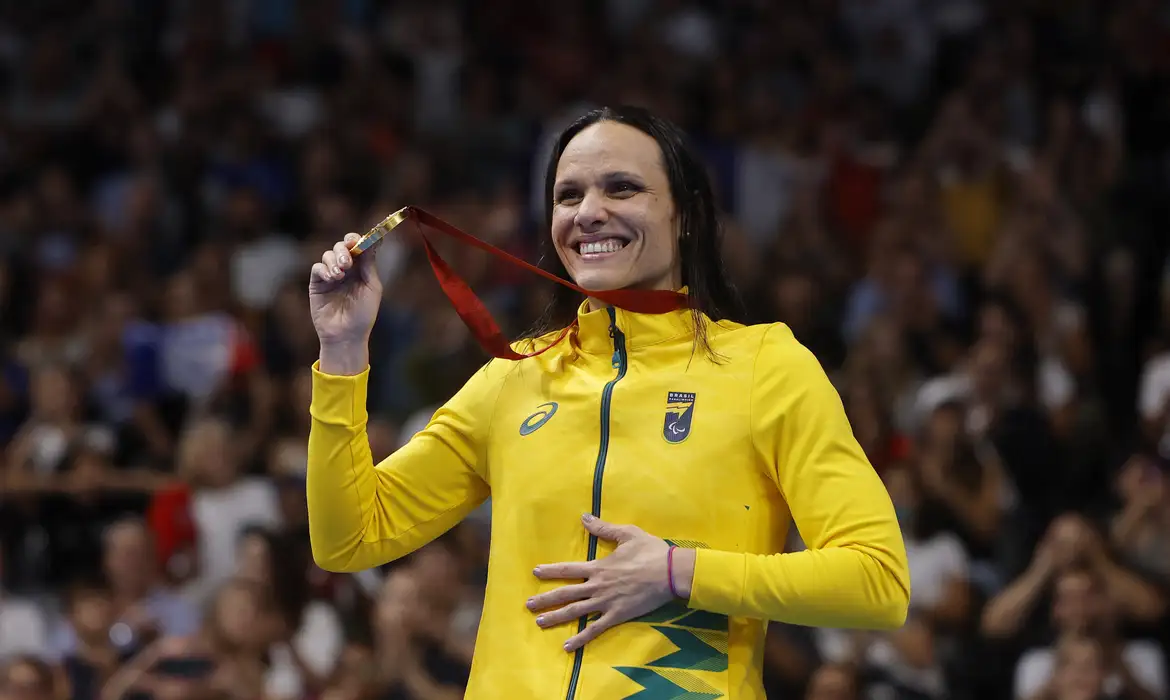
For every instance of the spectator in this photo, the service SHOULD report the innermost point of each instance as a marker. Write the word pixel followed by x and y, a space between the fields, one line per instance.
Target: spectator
pixel 1126 669
pixel 39 454
pixel 59 462
pixel 446 632
pixel 1072 542
pixel 225 657
pixel 939 564
pixel 963 480
pixel 1141 531
pixel 1082 603
pixel 404 669
pixel 223 500
pixel 308 636
pixel 93 656
pixel 142 607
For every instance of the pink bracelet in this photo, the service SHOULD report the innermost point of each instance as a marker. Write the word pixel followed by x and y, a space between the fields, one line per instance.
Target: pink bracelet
pixel 670 570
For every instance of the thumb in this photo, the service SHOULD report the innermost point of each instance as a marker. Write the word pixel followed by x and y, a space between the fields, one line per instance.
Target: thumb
pixel 368 255
pixel 606 531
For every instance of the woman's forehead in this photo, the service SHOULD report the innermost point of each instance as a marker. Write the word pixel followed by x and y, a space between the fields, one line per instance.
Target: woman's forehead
pixel 610 147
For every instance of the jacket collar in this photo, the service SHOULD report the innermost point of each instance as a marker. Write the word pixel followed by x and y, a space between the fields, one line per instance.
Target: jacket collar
pixel 593 328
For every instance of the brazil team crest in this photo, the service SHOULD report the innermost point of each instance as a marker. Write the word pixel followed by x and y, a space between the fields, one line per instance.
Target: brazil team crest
pixel 680 408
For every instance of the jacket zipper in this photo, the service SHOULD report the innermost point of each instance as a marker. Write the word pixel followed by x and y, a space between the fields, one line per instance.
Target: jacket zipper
pixel 619 363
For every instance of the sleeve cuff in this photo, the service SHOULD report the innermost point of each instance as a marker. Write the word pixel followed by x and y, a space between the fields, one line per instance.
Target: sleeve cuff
pixel 718 583
pixel 339 400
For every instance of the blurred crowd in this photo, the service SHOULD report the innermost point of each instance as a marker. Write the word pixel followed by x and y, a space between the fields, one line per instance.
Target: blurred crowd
pixel 962 206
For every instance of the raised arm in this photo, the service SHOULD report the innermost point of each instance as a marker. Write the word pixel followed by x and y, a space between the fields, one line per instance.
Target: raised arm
pixel 854 573
pixel 362 515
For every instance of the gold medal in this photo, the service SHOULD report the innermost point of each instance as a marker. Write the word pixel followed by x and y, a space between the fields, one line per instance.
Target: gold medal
pixel 376 234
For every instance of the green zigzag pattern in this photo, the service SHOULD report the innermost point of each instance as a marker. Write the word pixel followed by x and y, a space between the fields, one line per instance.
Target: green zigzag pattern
pixel 693 653
pixel 657 687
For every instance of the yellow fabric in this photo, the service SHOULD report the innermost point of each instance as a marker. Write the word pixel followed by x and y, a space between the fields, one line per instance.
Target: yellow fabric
pixel 973 210
pixel 768 442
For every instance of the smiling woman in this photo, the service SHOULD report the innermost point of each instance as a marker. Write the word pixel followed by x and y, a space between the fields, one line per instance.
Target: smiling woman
pixel 611 226
pixel 622 564
pixel 639 163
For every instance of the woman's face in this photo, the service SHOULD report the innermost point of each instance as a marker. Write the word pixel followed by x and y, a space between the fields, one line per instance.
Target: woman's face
pixel 398 602
pixel 53 397
pixel 237 616
pixel 181 296
pixel 252 560
pixel 995 324
pixel 206 455
pixel 943 429
pixel 613 222
pixel 92 615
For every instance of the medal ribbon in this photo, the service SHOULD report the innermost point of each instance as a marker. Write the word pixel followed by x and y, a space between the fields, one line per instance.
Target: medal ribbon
pixel 469 306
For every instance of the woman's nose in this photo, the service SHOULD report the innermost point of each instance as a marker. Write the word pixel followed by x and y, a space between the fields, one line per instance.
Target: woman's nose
pixel 592 213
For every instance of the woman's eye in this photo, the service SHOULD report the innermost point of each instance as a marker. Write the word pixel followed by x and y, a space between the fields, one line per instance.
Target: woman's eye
pixel 624 188
pixel 567 196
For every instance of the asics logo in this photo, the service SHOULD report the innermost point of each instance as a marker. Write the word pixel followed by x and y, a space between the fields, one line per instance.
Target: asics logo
pixel 543 412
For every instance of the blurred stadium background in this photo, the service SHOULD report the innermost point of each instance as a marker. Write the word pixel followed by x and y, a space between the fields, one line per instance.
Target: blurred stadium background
pixel 962 206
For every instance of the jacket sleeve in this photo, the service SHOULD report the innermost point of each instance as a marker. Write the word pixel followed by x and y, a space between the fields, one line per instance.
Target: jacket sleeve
pixel 362 515
pixel 853 573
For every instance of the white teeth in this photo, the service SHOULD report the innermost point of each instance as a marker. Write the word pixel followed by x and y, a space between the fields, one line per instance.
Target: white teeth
pixel 609 245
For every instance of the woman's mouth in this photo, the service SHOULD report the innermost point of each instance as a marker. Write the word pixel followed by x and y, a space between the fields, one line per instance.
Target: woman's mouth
pixel 595 250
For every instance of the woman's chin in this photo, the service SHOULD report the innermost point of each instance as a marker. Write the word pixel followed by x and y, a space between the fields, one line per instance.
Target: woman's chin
pixel 601 281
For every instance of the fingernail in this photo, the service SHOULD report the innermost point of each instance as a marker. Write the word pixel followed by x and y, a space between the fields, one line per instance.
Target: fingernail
pixel 540 620
pixel 344 259
pixel 531 602
pixel 536 571
pixel 336 270
pixel 567 648
pixel 588 517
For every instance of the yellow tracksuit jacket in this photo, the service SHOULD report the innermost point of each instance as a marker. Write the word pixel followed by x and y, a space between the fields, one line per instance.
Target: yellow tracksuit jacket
pixel 624 419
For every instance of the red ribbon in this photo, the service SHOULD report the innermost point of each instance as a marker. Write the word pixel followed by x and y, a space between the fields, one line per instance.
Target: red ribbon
pixel 473 311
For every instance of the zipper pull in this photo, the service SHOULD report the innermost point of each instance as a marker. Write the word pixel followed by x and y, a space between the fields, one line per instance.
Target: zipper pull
pixel 616 361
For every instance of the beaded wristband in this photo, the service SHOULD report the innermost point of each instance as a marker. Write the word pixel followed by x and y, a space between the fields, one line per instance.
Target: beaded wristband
pixel 670 570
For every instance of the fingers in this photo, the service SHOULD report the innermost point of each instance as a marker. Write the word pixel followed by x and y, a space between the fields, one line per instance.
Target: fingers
pixel 608 531
pixel 336 260
pixel 341 254
pixel 320 273
pixel 329 259
pixel 560 596
pixel 564 571
pixel 591 632
pixel 569 613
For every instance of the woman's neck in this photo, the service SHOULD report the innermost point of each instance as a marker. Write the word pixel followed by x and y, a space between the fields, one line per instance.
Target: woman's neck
pixel 671 284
